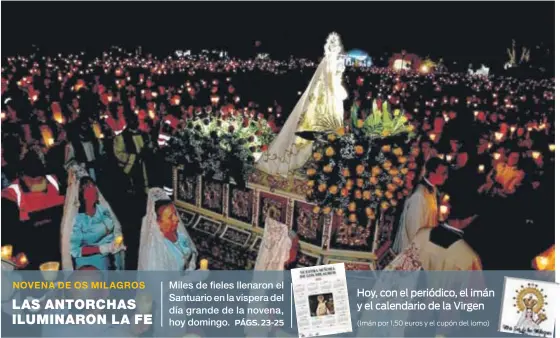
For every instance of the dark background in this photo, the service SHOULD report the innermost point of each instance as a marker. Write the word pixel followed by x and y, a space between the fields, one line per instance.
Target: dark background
pixel 457 31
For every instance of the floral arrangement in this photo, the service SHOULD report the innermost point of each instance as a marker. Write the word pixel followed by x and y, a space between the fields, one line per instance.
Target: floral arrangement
pixel 219 149
pixel 360 173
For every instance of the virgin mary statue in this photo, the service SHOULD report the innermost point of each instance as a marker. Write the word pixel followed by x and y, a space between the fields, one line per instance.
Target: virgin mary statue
pixel 320 108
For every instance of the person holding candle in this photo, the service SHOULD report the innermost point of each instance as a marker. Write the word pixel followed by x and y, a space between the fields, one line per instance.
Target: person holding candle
pixel 83 147
pixel 89 227
pixel 165 244
pixel 32 207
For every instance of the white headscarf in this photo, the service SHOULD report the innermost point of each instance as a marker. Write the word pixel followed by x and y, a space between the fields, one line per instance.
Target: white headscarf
pixel 154 254
pixel 71 207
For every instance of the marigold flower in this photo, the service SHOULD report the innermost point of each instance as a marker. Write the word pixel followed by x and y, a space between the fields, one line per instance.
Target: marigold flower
pixel 311 172
pixel 328 168
pixel 332 137
pixel 352 206
pixel 360 182
pixel 322 187
pixel 359 150
pixel 345 172
pixel 339 212
pixel 386 148
pixel 404 171
pixel 358 194
pixel 398 151
pixel 388 194
pixel 373 180
pixel 344 192
pixel 352 218
pixel 391 187
pixel 340 131
pixel 326 210
pixel 333 189
pixel 378 193
pixel 330 151
pixel 387 165
pixel 403 160
pixel 384 205
pixel 360 123
pixel 317 156
pixel 360 169
pixel 394 172
pixel 376 171
pixel 385 133
pixel 366 195
pixel 370 213
pixel 316 209
pixel 310 183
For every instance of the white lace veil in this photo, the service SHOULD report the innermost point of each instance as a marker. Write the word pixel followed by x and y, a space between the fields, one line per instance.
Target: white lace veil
pixel 71 207
pixel 320 108
pixel 154 254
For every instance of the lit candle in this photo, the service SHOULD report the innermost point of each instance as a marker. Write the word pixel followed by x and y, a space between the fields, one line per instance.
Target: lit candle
pixel 449 158
pixel 512 129
pixel 446 198
pixel 498 136
pixel 203 264
pixel 119 240
pixel 551 147
pixel 21 259
pixel 481 168
pixel 7 252
pixel 443 209
pixel 490 145
pixel 497 156
pixel 97 130
pixel 536 155
pixel 432 136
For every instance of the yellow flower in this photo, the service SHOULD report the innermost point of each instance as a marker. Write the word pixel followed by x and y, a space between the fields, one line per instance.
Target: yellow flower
pixel 410 128
pixel 322 187
pixel 352 218
pixel 310 183
pixel 329 152
pixel 358 194
pixel 385 133
pixel 333 189
pixel 403 160
pixel 328 168
pixel 404 171
pixel 397 180
pixel 367 195
pixel 317 156
pixel 360 123
pixel 327 210
pixel 370 213
pixel 311 172
pixel 378 193
pixel 386 148
pixel 360 169
pixel 352 206
pixel 384 205
pixel 360 182
pixel 376 171
pixel 394 172
pixel 316 209
pixel 332 137
pixel 387 165
pixel 388 194
pixel 359 150
pixel 373 180
pixel 340 131
pixel 398 151
pixel 391 187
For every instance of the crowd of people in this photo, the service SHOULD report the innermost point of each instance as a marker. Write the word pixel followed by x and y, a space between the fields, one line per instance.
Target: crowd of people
pixel 114 115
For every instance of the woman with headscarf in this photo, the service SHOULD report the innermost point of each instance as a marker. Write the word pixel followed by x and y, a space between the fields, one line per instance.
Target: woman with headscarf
pixel 91 232
pixel 165 244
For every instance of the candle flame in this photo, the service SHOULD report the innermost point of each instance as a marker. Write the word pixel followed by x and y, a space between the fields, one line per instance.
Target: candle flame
pixel 481 168
pixel 7 252
pixel 536 155
pixel 551 147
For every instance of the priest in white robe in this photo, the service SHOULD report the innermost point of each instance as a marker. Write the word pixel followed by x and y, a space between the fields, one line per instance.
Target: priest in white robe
pixel 421 209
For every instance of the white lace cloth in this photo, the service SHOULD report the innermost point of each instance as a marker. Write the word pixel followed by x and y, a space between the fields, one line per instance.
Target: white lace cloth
pixel 286 153
pixel 154 253
pixel 275 246
pixel 71 207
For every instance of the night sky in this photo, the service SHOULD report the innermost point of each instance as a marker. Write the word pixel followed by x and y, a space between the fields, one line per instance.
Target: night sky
pixel 456 31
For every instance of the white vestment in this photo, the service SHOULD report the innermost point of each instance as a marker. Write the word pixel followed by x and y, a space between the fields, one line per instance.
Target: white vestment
pixel 320 108
pixel 420 211
pixel 275 246
pixel 71 208
pixel 154 253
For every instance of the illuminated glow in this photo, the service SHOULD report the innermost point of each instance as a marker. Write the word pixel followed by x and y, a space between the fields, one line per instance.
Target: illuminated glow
pixel 7 252
pixel 551 147
pixel 498 136
pixel 432 136
pixel 497 156
pixel 481 168
pixel 535 155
